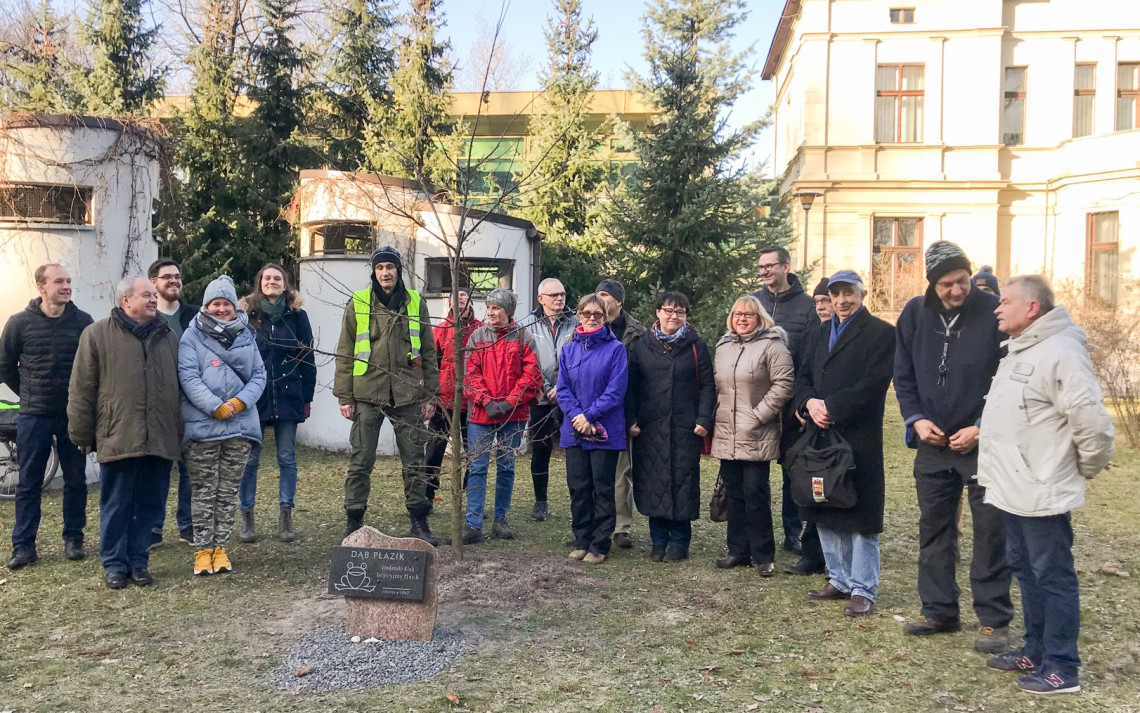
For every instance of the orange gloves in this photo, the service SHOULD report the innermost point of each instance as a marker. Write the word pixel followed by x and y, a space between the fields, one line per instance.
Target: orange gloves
pixel 229 409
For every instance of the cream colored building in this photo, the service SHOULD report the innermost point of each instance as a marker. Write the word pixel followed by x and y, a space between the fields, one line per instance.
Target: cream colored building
pixel 1007 126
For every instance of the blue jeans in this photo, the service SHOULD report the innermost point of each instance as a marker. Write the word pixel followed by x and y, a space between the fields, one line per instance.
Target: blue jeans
pixel 33 448
pixel 182 511
pixel 1040 553
pixel 664 532
pixel 129 501
pixel 852 561
pixel 285 434
pixel 483 439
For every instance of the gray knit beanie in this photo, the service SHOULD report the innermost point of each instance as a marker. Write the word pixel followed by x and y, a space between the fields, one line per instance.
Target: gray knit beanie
pixel 613 288
pixel 504 299
pixel 222 287
pixel 943 257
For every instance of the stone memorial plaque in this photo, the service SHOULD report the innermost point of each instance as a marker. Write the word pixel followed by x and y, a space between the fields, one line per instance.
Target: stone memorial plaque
pixel 383 618
pixel 378 574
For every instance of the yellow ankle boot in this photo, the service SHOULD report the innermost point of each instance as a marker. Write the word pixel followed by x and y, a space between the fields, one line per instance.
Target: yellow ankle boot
pixel 204 561
pixel 221 560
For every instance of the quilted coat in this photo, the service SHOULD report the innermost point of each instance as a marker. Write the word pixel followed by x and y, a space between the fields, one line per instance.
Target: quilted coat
pixel 754 381
pixel 670 392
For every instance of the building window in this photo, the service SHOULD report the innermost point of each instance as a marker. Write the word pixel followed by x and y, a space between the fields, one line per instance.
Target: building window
pixel 1127 96
pixel 898 103
pixel 896 262
pixel 1102 266
pixel 67 205
pixel 1084 99
pixel 341 238
pixel 491 165
pixel 902 15
pixel 480 275
pixel 1013 107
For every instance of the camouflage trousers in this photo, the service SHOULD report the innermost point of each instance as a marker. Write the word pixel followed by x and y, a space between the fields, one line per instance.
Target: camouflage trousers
pixel 216 468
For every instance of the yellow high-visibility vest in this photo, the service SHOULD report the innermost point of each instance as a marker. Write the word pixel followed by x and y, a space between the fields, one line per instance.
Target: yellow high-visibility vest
pixel 362 307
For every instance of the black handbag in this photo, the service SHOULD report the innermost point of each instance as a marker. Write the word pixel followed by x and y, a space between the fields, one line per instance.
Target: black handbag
pixel 820 465
pixel 718 505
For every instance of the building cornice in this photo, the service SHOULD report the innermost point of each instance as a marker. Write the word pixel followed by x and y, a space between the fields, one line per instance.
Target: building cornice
pixel 781 38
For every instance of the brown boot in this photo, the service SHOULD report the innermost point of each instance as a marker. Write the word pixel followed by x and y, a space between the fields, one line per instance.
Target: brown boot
pixel 827 592
pixel 285 525
pixel 859 606
pixel 247 534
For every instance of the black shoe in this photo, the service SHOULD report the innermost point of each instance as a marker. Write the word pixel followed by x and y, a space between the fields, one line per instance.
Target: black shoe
pixel 538 514
pixel 730 561
pixel 657 554
pixel 155 541
pixel 141 577
pixel 793 544
pixel 926 627
pixel 502 530
pixel 421 531
pixel 472 535
pixel 1016 660
pixel 623 540
pixel 116 580
pixel 676 553
pixel 22 557
pixel 186 535
pixel 73 549
pixel 806 566
pixel 354 520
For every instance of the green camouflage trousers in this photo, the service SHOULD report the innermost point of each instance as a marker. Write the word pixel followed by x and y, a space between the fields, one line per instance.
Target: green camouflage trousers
pixel 411 436
pixel 215 470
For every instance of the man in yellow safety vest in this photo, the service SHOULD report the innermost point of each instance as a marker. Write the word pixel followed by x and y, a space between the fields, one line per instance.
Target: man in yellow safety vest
pixel 386 367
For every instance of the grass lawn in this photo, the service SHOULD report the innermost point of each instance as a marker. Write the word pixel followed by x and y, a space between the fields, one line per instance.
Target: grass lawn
pixel 543 633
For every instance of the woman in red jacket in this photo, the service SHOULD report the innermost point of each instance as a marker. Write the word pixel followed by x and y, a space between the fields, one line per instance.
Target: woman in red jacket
pixel 502 377
pixel 440 423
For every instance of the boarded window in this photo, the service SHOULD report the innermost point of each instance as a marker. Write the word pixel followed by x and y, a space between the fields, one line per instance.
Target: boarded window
pixel 69 205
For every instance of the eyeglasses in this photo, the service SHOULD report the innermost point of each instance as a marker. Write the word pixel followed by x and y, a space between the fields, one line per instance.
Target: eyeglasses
pixel 769 266
pixel 591 315
pixel 553 294
pixel 745 315
pixel 171 278
pixel 674 311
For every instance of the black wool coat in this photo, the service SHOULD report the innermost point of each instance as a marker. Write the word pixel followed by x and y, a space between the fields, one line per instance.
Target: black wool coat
pixel 852 379
pixel 671 390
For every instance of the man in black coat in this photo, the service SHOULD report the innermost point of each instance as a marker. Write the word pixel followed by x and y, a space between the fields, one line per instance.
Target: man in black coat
pixel 793 310
pixel 37 350
pixel 948 350
pixel 842 383
pixel 166 277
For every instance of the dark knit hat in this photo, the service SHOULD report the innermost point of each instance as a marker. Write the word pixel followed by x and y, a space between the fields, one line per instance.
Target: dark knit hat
pixel 612 287
pixel 943 257
pixel 986 278
pixel 821 289
pixel 504 299
pixel 387 254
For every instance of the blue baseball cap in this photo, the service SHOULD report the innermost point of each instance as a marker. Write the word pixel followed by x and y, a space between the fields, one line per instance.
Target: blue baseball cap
pixel 849 277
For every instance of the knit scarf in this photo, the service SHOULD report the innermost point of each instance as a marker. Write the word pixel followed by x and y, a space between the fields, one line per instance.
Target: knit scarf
pixel 223 332
pixel 274 309
pixel 142 330
pixel 669 339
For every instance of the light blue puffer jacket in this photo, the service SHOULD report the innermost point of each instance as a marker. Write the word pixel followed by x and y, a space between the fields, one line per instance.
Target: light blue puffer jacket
pixel 207 381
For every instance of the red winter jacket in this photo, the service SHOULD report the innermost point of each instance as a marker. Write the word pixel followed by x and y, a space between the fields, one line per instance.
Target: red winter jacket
pixel 501 366
pixel 445 345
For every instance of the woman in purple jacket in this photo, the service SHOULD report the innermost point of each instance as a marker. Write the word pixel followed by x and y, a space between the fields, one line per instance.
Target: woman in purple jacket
pixel 592 376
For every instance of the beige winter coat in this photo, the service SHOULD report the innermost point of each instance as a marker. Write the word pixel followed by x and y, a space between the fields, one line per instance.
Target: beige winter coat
pixel 1044 428
pixel 754 380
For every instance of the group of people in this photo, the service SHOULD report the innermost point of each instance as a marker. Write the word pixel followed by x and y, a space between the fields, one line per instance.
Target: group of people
pixel 157 382
pixel 996 391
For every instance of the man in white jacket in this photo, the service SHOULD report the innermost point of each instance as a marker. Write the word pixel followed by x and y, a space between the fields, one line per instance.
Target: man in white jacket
pixel 1044 431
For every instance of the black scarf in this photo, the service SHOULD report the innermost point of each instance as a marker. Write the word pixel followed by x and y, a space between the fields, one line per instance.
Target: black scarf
pixel 392 301
pixel 141 330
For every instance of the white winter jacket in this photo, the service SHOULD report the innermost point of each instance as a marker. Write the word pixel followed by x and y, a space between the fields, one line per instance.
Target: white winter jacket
pixel 1044 428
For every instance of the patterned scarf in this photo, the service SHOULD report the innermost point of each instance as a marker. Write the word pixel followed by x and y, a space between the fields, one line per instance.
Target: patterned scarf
pixel 669 339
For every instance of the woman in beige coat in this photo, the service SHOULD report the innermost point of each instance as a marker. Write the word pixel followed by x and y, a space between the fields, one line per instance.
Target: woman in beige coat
pixel 754 379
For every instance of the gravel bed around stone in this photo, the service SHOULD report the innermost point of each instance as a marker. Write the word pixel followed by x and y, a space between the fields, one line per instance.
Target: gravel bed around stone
pixel 331 662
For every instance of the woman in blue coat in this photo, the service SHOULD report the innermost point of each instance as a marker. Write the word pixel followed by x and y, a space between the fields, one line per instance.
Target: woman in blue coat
pixel 222 378
pixel 592 379
pixel 285 341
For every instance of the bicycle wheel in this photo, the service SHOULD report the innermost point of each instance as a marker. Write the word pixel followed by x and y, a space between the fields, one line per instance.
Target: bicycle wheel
pixel 9 469
pixel 51 470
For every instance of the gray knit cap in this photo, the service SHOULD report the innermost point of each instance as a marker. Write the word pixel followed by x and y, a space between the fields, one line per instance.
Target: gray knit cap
pixel 943 257
pixel 504 299
pixel 613 288
pixel 221 287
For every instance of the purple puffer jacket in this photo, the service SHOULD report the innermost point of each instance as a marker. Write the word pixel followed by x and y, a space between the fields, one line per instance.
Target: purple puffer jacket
pixel 592 376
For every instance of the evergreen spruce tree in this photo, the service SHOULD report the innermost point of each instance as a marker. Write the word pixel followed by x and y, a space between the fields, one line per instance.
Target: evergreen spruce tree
pixel 120 81
pixel 413 142
pixel 356 95
pixel 688 218
pixel 34 76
